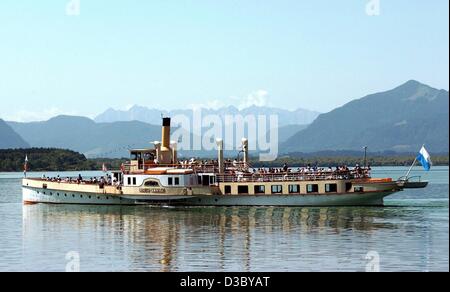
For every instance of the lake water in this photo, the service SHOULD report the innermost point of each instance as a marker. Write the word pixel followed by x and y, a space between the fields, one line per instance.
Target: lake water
pixel 411 233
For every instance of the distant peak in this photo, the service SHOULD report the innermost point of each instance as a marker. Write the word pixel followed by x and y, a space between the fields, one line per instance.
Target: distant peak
pixel 136 107
pixel 412 84
pixel 68 117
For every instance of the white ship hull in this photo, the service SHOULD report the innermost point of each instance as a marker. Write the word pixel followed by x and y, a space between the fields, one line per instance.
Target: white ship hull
pixel 31 195
pixel 367 199
pixel 34 196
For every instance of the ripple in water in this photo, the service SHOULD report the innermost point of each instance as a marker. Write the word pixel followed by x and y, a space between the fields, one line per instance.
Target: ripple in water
pixel 409 234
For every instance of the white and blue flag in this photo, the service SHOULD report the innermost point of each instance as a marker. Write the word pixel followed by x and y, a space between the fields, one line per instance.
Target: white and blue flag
pixel 424 158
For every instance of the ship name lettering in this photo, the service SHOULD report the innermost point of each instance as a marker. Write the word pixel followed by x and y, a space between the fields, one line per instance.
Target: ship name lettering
pixel 153 191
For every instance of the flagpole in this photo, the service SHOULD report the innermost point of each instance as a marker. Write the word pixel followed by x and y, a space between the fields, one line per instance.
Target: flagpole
pixel 412 165
pixel 25 166
pixel 410 169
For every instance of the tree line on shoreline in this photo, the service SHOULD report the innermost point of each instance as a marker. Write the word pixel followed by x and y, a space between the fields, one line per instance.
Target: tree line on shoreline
pixel 50 159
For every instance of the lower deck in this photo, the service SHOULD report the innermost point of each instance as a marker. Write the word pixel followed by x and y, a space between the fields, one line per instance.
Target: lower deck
pixel 308 193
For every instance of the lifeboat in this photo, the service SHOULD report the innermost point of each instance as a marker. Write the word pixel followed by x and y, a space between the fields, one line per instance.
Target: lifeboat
pixel 156 171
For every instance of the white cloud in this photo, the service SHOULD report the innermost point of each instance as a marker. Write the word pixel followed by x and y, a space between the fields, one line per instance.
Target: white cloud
pixel 257 98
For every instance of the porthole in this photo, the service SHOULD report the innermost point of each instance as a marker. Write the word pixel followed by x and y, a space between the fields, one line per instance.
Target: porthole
pixel 73 196
pixel 98 198
pixel 65 195
pixel 90 197
pixel 81 196
pixel 216 200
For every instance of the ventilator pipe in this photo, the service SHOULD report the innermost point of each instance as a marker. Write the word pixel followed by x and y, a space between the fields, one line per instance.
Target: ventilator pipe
pixel 219 143
pixel 174 146
pixel 245 150
pixel 158 150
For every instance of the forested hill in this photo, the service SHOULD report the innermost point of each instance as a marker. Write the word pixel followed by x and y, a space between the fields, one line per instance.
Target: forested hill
pixel 45 159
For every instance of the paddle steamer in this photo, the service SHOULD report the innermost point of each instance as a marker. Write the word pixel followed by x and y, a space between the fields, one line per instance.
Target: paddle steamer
pixel 156 176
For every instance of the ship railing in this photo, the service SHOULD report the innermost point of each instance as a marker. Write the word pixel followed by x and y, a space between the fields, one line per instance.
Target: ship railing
pixel 286 177
pixel 197 167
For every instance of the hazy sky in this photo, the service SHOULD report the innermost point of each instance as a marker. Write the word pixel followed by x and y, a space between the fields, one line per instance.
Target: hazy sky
pixel 176 53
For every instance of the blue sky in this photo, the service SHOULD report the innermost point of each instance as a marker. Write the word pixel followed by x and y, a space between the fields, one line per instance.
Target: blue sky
pixel 176 53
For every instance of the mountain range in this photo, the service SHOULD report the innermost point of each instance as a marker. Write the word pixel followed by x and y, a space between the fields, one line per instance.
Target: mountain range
pixel 86 136
pixel 153 116
pixel 111 140
pixel 9 138
pixel 401 119
pixel 398 120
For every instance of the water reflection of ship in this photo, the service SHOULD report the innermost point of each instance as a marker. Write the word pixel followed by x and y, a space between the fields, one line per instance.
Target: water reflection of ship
pixel 154 239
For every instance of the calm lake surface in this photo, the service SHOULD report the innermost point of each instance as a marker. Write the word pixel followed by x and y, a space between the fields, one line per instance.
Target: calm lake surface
pixel 411 233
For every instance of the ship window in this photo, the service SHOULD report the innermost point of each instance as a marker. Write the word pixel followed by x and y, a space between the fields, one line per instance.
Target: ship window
pixel 312 188
pixel 129 181
pixel 199 180
pixel 348 187
pixel 242 189
pixel 260 189
pixel 227 190
pixel 134 181
pixel 212 180
pixel 294 189
pixel 277 189
pixel 151 184
pixel 359 189
pixel 331 188
pixel 177 181
pixel 206 180
pixel 170 181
